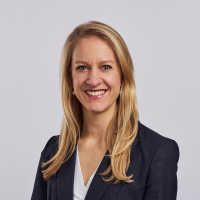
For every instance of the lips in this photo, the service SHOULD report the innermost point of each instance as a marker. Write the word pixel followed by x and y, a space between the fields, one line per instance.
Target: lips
pixel 95 94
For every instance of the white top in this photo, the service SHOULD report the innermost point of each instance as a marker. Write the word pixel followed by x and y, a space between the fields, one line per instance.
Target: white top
pixel 80 190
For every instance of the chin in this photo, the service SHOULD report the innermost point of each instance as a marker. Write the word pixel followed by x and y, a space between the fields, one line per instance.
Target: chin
pixel 96 108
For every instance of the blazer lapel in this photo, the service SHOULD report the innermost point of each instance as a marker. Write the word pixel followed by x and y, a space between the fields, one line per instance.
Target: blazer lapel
pixel 65 178
pixel 98 186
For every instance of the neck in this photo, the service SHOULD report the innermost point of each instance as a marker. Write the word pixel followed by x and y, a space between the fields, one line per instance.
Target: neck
pixel 95 125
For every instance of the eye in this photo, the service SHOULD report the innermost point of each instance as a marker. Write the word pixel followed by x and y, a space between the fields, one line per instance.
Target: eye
pixel 81 67
pixel 106 67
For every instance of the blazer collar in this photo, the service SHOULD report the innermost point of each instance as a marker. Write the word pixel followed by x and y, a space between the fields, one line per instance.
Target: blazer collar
pixel 137 138
pixel 65 178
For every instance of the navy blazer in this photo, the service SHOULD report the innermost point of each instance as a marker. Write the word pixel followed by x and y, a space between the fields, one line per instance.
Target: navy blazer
pixel 153 163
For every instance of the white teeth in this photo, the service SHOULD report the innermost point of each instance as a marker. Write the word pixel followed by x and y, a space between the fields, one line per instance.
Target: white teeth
pixel 96 93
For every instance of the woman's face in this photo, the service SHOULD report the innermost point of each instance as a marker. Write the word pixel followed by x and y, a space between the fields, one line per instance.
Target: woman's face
pixel 96 75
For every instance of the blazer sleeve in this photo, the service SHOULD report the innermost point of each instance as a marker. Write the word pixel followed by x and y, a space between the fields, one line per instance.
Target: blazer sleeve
pixel 162 179
pixel 40 185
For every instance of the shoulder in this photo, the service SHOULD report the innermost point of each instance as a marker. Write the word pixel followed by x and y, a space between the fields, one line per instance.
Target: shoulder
pixel 50 148
pixel 154 144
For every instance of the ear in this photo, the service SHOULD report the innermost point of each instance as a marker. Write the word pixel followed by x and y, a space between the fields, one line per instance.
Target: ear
pixel 122 79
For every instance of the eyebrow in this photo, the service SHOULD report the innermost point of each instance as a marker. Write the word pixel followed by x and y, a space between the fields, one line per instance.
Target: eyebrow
pixel 85 62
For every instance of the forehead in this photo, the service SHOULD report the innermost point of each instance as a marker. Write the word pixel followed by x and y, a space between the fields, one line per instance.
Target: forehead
pixel 93 48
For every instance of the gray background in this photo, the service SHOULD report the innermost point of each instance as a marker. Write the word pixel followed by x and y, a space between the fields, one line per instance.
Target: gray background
pixel 163 39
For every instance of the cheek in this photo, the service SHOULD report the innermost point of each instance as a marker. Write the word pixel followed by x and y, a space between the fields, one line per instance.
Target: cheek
pixel 77 81
pixel 115 81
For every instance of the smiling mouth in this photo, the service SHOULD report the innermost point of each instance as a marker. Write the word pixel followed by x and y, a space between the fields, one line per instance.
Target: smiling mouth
pixel 95 93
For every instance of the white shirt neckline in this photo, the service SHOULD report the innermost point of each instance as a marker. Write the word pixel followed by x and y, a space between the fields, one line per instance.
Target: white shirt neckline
pixel 80 189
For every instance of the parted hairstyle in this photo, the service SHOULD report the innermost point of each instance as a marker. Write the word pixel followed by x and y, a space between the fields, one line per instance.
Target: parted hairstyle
pixel 123 127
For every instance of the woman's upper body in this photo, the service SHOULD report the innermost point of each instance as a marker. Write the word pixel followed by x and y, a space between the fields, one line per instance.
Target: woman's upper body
pixel 100 116
pixel 153 163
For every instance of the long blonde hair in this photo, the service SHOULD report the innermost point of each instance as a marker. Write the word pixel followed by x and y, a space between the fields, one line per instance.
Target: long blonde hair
pixel 123 127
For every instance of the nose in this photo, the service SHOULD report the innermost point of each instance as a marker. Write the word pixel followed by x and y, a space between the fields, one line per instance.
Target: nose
pixel 94 78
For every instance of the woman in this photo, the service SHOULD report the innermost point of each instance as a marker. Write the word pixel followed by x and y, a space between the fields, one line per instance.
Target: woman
pixel 103 151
